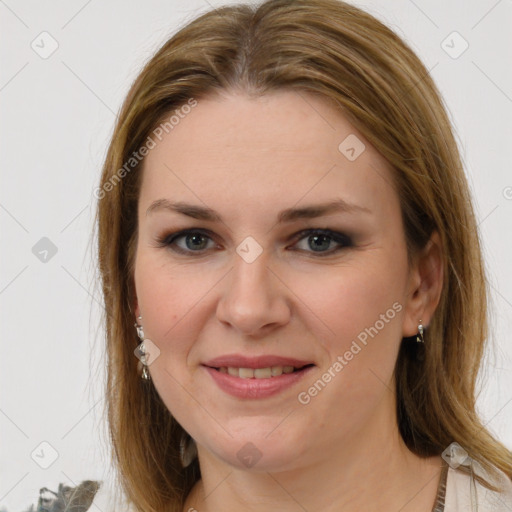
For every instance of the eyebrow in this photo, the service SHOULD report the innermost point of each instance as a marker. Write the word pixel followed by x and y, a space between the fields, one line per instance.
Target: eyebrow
pixel 288 215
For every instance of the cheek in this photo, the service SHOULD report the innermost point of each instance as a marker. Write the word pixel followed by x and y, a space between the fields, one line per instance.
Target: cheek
pixel 362 308
pixel 168 297
pixel 170 302
pixel 351 299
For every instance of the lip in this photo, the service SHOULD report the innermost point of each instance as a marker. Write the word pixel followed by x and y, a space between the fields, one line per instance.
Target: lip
pixel 263 361
pixel 256 388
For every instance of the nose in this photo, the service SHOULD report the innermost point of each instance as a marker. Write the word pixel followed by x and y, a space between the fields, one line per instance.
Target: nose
pixel 254 300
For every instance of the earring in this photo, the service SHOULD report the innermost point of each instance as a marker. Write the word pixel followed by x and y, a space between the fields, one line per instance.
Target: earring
pixel 419 336
pixel 188 450
pixel 142 351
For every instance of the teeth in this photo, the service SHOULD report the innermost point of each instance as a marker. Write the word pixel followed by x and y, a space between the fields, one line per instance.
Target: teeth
pixel 276 370
pixel 245 373
pixel 257 373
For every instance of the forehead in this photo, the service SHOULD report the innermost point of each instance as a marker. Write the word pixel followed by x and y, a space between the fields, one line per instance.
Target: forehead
pixel 273 149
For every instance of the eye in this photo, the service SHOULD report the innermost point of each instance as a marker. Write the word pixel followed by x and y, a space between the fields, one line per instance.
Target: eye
pixel 321 241
pixel 187 241
pixel 317 241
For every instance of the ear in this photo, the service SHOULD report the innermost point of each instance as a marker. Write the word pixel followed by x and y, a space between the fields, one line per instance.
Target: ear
pixel 424 286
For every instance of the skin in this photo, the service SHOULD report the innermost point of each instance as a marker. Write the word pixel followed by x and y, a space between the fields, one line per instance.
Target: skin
pixel 249 159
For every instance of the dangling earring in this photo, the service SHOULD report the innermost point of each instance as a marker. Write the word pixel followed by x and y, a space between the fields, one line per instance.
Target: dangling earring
pixel 142 351
pixel 419 336
pixel 188 450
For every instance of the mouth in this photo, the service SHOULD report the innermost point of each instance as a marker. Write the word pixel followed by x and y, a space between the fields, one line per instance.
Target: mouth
pixel 267 372
pixel 258 377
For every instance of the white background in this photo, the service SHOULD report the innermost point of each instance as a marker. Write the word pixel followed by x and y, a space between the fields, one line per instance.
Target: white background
pixel 56 118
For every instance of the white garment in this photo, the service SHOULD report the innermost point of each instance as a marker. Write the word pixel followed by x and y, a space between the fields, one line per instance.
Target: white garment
pixel 465 494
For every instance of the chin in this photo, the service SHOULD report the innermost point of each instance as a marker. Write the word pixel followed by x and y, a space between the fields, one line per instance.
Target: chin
pixel 258 453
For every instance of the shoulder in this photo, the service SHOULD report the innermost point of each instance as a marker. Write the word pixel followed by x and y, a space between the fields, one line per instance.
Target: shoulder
pixel 465 493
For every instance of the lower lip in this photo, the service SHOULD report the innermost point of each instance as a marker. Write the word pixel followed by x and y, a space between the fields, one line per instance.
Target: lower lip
pixel 256 388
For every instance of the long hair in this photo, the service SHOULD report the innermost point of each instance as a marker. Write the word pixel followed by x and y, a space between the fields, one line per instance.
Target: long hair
pixel 347 57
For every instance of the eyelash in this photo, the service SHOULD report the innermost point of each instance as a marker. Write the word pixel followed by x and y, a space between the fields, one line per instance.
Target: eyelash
pixel 340 238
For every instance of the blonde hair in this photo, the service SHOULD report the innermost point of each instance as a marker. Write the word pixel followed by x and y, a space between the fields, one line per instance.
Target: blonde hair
pixel 343 55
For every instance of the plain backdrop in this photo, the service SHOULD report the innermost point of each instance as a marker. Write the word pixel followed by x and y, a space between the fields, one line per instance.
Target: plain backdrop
pixel 57 114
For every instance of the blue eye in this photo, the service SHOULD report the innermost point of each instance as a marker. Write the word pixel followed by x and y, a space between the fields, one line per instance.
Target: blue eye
pixel 319 241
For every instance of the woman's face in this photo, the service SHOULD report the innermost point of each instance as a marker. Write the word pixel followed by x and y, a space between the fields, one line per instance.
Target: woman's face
pixel 270 236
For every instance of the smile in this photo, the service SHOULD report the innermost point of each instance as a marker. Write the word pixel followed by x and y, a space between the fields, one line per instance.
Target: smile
pixel 257 383
pixel 258 373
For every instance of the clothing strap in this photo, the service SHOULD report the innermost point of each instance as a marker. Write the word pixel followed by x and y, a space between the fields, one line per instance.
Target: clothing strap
pixel 441 489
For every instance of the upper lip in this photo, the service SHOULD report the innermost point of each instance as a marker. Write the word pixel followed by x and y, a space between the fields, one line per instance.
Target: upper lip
pixel 263 361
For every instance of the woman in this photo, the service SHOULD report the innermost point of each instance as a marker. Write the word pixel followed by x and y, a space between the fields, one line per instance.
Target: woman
pixel 294 289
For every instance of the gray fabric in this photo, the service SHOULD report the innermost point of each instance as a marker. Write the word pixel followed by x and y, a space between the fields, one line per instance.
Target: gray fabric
pixel 66 499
